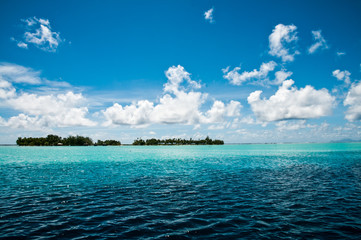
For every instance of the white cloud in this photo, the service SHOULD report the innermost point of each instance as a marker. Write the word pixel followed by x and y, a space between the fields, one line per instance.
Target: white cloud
pixel 176 76
pixel 292 125
pixel 19 74
pixel 30 21
pixel 16 74
pixel 291 103
pixel 353 100
pixel 281 76
pixel 280 42
pixel 248 120
pixel 219 110
pixel 23 121
pixel 40 35
pixel 179 104
pixel 20 44
pixel 342 76
pixel 220 126
pixel 340 53
pixel 319 42
pixel 56 84
pixel 48 104
pixel 6 89
pixel 208 15
pixel 134 114
pixel 235 78
pixel 233 109
pixel 183 108
pixel 52 110
pixel 57 110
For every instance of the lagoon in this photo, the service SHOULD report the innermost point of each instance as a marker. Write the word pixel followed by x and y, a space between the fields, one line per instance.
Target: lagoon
pixel 284 191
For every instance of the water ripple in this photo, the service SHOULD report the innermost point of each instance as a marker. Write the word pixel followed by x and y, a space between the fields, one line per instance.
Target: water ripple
pixel 173 195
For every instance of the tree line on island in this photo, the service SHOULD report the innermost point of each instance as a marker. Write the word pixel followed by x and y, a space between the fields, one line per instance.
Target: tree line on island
pixel 178 141
pixel 54 140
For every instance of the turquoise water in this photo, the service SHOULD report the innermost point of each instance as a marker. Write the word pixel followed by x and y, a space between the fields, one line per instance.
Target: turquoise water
pixel 282 191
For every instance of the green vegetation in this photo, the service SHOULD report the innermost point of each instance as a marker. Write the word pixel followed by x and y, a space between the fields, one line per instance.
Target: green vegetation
pixel 178 141
pixel 53 140
pixel 107 143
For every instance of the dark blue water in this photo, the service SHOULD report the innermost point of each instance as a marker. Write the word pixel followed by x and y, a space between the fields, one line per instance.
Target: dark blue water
pixel 208 192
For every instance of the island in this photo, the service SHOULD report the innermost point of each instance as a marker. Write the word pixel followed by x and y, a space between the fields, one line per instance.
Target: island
pixel 178 141
pixel 54 140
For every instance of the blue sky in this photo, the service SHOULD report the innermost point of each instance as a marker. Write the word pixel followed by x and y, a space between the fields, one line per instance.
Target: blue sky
pixel 128 69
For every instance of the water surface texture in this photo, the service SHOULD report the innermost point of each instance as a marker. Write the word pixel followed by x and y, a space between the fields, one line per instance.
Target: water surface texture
pixel 284 191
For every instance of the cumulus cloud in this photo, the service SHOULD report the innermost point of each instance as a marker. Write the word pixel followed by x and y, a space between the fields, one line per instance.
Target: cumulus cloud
pixel 291 103
pixel 183 108
pixel 134 114
pixel 319 42
pixel 208 15
pixel 353 101
pixel 280 42
pixel 342 76
pixel 179 104
pixel 281 76
pixel 176 76
pixel 39 34
pixel 236 78
pixel 23 121
pixel 42 110
pixel 6 89
pixel 60 110
pixel 219 110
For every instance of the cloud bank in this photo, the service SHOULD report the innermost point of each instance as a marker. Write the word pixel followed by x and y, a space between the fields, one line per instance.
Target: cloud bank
pixel 39 110
pixel 179 104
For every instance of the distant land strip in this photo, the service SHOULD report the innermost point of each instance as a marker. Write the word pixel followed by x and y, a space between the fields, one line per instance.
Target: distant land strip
pixel 178 141
pixel 54 140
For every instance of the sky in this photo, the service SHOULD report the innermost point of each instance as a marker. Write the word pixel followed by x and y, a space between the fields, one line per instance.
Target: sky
pixel 241 71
